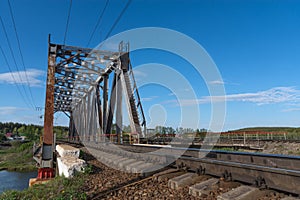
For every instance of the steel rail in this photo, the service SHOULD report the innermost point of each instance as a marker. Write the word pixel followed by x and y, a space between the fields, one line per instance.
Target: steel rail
pixel 279 172
pixel 268 160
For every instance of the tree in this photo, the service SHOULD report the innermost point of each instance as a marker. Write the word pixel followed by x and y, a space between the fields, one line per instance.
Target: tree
pixel 15 130
pixel 126 129
pixel 21 130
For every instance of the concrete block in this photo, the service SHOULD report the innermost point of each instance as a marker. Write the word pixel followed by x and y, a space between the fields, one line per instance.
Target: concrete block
pixel 69 165
pixel 116 162
pixel 109 159
pixel 180 181
pixel 67 150
pixel 241 193
pixel 122 165
pixel 134 164
pixel 163 173
pixel 200 188
pixel 152 169
pixel 170 175
pixel 139 168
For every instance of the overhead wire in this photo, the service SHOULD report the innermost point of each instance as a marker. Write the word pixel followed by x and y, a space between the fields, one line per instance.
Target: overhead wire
pixel 98 22
pixel 20 51
pixel 14 59
pixel 67 24
pixel 118 19
pixel 11 73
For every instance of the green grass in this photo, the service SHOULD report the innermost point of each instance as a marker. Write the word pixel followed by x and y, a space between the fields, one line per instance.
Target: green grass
pixel 18 157
pixel 57 188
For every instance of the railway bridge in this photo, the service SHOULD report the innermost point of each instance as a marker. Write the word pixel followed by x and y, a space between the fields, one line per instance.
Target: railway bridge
pixel 89 86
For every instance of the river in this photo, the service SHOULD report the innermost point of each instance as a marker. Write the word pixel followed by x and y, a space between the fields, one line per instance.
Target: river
pixel 15 180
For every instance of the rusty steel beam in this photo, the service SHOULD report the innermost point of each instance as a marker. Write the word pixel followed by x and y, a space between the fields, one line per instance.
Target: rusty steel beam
pixel 49 104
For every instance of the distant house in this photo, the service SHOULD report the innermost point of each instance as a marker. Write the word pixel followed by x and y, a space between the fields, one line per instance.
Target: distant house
pixel 9 135
pixel 9 138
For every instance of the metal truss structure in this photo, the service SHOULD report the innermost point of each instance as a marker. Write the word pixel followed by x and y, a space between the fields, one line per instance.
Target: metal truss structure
pixel 78 85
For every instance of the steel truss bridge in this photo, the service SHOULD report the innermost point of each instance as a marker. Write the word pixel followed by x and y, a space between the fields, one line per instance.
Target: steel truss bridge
pixel 78 85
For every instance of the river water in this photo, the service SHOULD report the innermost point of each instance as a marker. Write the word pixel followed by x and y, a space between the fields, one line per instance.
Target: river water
pixel 15 180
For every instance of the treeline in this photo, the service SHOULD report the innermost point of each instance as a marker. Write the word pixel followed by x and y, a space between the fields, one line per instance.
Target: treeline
pixel 166 130
pixel 272 129
pixel 31 131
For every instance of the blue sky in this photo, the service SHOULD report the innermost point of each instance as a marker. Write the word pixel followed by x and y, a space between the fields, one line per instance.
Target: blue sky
pixel 255 45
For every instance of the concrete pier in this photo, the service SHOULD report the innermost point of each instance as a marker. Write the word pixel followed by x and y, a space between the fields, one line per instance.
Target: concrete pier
pixel 67 150
pixel 68 162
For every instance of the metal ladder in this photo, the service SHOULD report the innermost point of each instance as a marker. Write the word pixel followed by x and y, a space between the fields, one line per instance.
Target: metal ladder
pixel 132 97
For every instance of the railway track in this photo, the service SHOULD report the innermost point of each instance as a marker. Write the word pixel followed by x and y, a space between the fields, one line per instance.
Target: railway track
pixel 263 171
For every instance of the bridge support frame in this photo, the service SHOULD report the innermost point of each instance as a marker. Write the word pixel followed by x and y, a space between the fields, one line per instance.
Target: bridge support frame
pixel 74 80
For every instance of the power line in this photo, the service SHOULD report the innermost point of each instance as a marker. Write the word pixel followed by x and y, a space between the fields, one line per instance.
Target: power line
pixel 67 24
pixel 118 19
pixel 13 56
pixel 98 21
pixel 20 51
pixel 15 82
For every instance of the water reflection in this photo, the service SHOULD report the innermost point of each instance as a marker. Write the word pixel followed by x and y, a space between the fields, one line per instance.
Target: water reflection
pixel 15 180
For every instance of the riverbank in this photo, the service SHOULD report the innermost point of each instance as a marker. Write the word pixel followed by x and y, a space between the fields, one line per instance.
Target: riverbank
pixel 17 157
pixel 56 188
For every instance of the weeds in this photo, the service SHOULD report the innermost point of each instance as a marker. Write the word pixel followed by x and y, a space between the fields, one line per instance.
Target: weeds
pixel 58 188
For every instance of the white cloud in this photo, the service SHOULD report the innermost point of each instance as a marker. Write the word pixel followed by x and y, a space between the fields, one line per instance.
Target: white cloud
pixel 217 82
pixel 149 98
pixel 139 74
pixel 20 77
pixel 291 109
pixel 221 82
pixel 9 110
pixel 271 96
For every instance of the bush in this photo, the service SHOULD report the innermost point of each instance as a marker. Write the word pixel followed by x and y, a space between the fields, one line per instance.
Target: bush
pixel 15 144
pixel 2 137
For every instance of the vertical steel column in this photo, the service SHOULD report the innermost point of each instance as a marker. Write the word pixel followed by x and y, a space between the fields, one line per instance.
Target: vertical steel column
pixel 80 121
pixel 112 105
pixel 89 115
pixel 119 114
pixel 92 115
pixel 47 151
pixel 99 105
pixel 71 128
pixel 99 112
pixel 105 98
pixel 84 114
